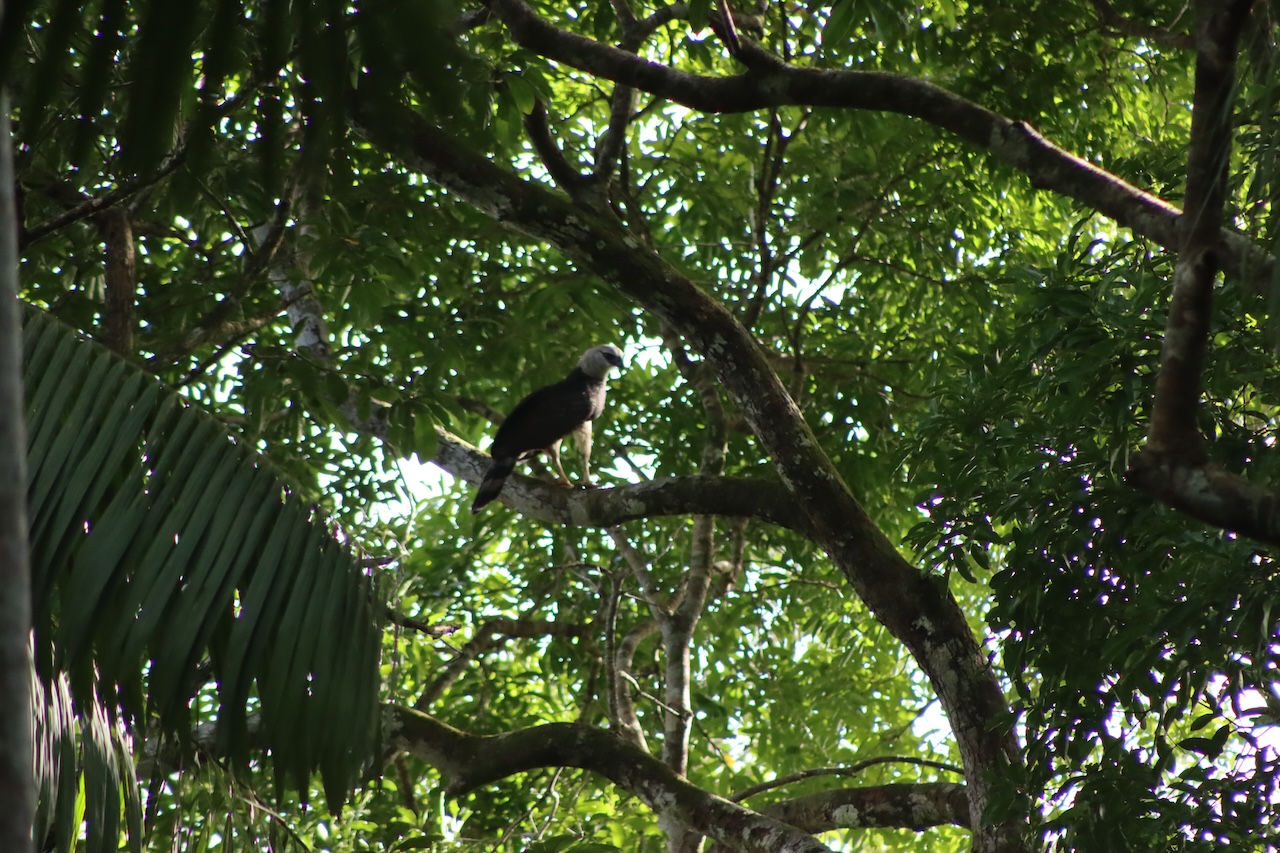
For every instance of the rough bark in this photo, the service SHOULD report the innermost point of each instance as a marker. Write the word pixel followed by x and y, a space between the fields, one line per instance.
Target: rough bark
pixel 625 719
pixel 1174 466
pixel 121 281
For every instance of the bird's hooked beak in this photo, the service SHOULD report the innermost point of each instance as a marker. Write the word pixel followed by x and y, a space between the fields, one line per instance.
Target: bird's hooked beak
pixel 614 358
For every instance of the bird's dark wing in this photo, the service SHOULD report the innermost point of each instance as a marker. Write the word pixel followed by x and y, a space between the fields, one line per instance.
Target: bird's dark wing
pixel 546 415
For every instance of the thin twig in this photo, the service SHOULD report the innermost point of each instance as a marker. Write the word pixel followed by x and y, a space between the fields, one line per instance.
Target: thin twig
pixel 395 617
pixel 851 770
pixel 646 694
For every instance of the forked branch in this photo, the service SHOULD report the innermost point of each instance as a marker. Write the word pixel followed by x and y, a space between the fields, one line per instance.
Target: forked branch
pixel 771 82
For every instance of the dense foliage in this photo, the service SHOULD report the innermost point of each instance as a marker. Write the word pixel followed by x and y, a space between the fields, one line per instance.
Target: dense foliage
pixel 357 236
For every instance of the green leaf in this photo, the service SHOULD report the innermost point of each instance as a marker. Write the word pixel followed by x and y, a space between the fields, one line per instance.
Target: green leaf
pixel 699 13
pixel 524 94
pixel 843 16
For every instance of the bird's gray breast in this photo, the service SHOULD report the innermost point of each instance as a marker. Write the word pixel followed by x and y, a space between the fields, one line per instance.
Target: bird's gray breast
pixel 595 392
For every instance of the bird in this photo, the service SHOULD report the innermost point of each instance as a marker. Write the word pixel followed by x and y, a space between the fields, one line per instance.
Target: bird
pixel 541 420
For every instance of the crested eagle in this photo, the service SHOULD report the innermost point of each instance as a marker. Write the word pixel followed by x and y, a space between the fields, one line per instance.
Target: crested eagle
pixel 541 420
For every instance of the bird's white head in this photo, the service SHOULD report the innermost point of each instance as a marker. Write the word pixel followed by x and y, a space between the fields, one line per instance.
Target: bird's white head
pixel 598 361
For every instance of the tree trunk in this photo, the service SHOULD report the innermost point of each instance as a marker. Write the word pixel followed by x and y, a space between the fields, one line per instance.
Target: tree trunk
pixel 17 789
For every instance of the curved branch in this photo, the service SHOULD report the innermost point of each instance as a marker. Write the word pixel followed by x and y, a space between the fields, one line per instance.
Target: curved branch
pixel 900 806
pixel 558 167
pixel 610 602
pixel 1207 492
pixel 470 761
pixel 613 142
pixel 677 632
pixel 291 275
pixel 624 658
pixel 547 501
pixel 770 82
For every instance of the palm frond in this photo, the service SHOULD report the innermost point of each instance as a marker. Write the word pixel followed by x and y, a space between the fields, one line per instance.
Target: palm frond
pixel 174 63
pixel 170 566
pixel 84 772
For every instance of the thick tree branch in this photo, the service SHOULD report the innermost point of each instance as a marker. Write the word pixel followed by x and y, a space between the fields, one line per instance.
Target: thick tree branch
pixel 551 503
pixel 1210 494
pixel 769 82
pixel 1174 466
pixel 469 761
pixel 163 755
pixel 916 806
pixel 917 608
pixel 121 281
pixel 624 659
pixel 291 274
pixel 1186 336
pixel 677 632
pixel 912 806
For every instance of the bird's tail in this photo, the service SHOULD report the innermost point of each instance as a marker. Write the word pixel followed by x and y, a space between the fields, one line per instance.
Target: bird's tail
pixel 491 486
